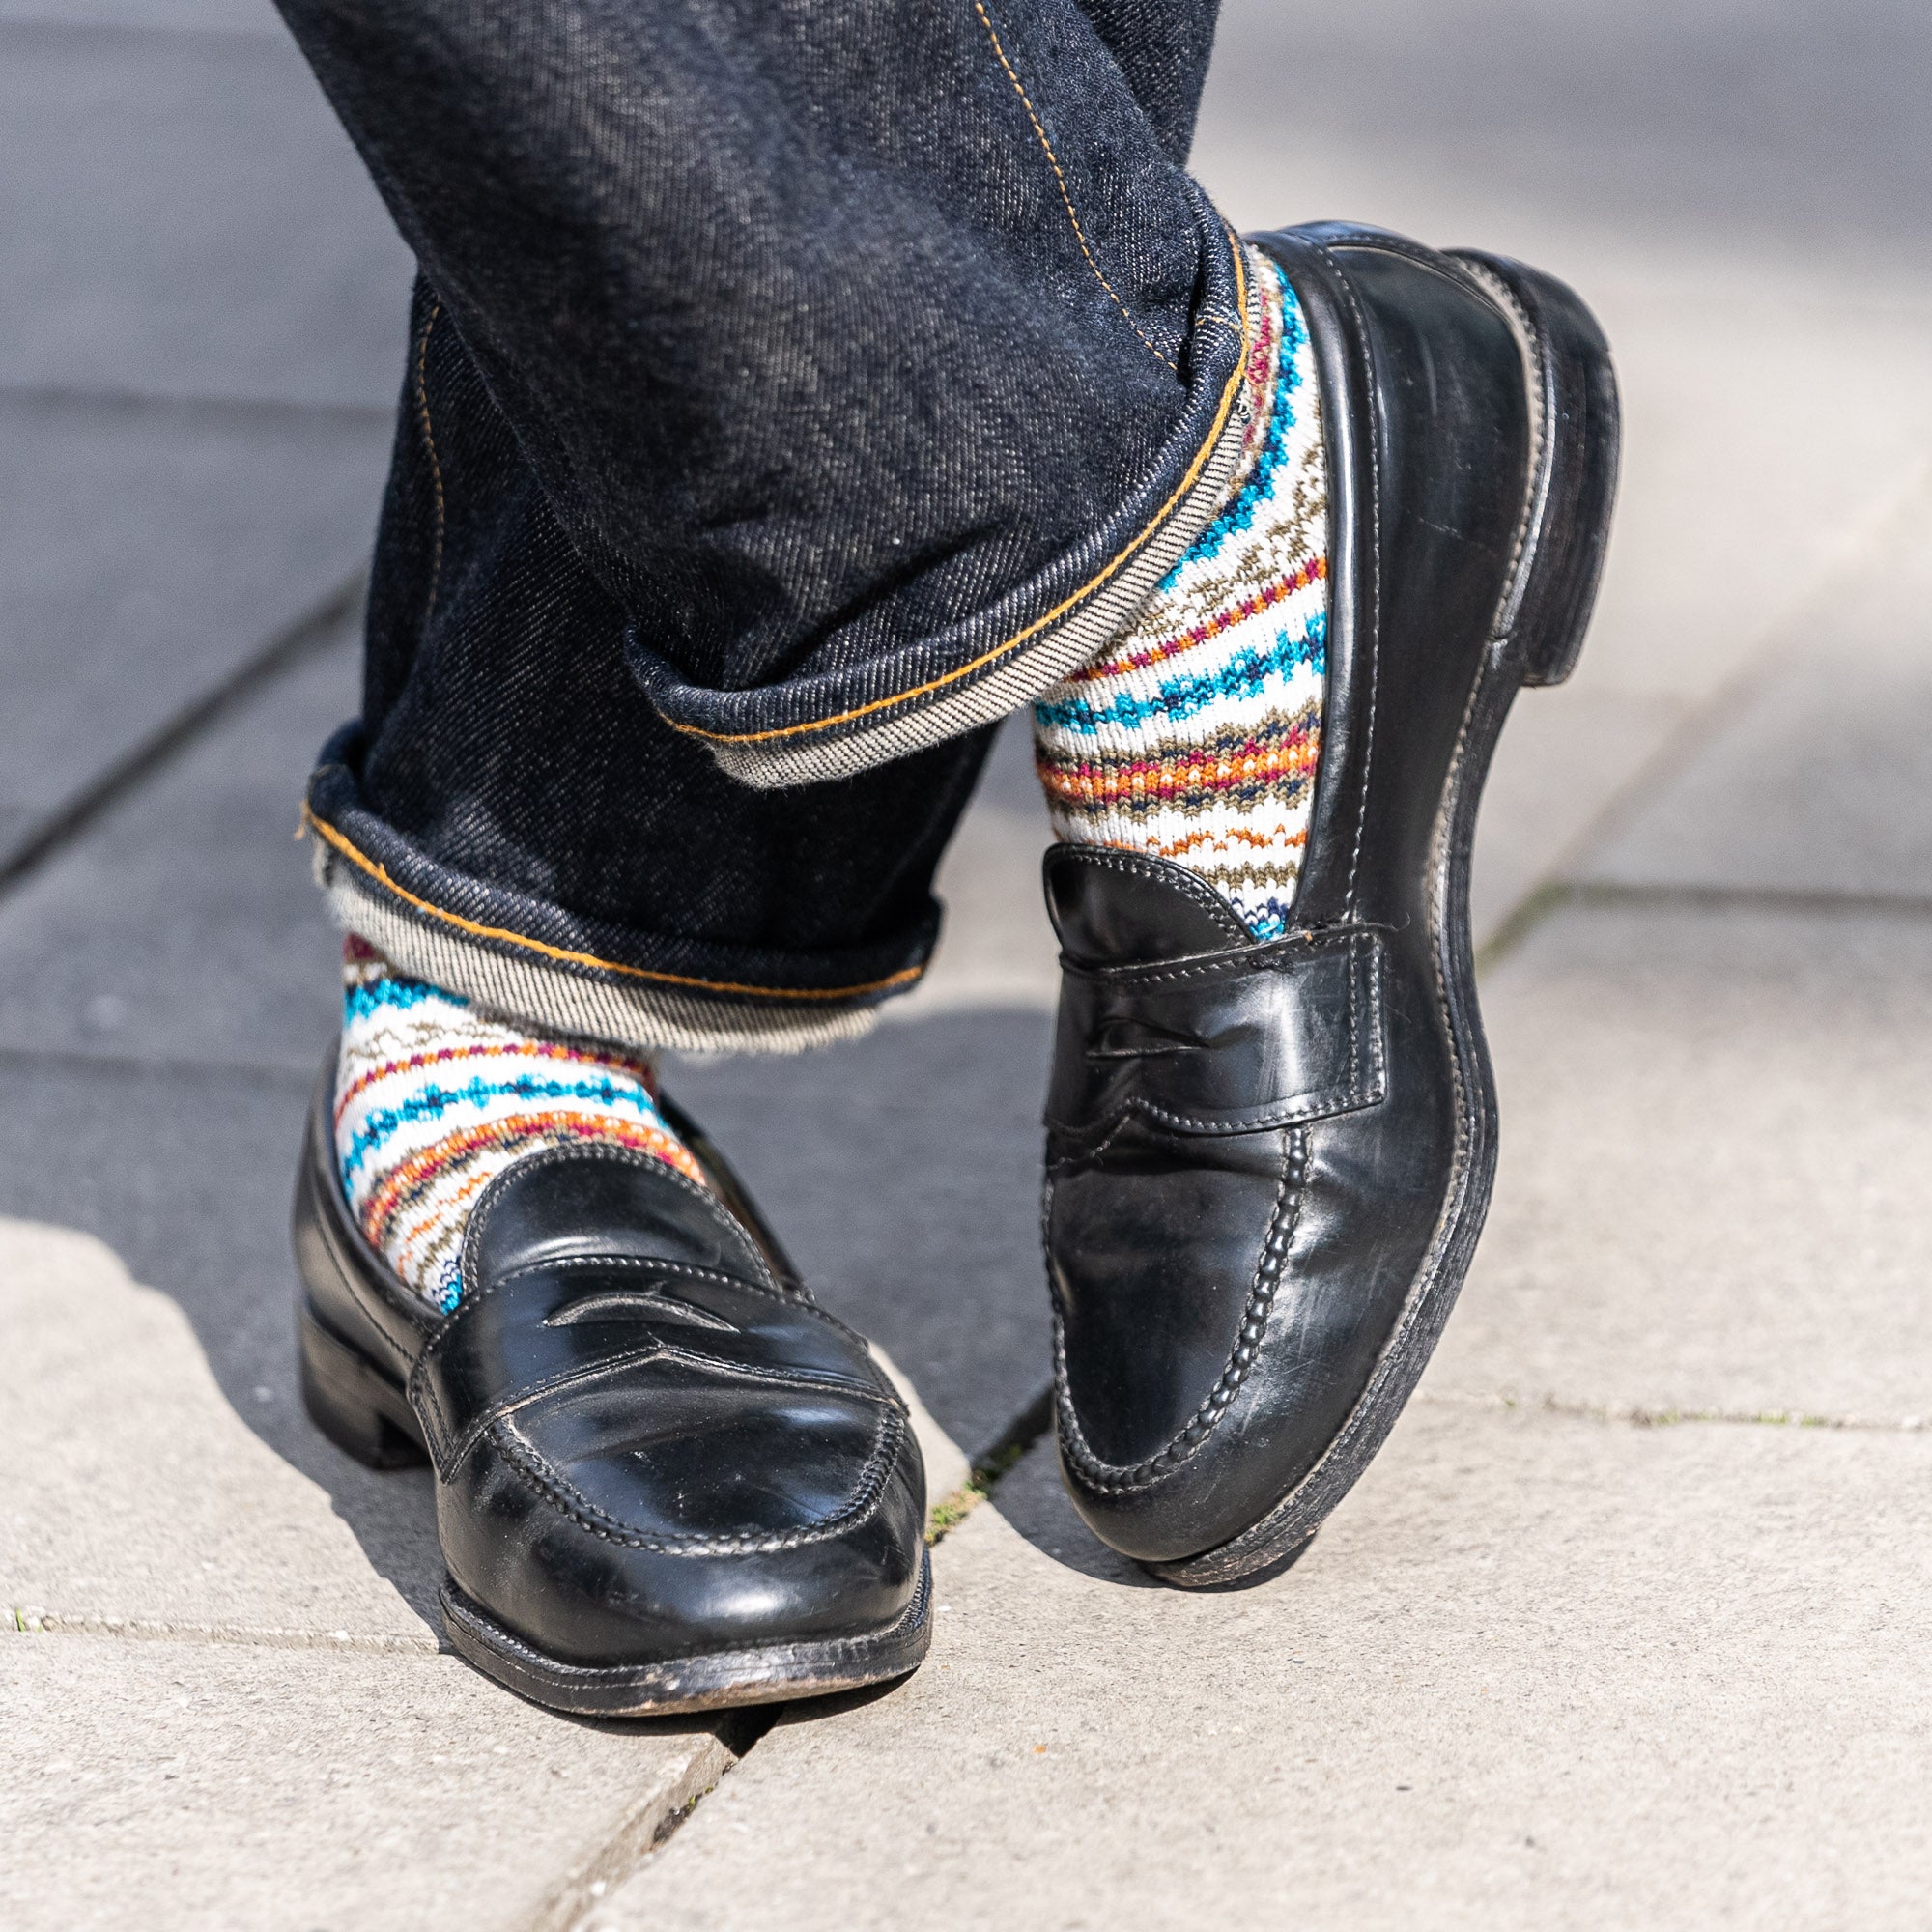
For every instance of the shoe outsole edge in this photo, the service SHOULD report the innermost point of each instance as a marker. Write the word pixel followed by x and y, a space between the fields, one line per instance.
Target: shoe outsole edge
pixel 672 1687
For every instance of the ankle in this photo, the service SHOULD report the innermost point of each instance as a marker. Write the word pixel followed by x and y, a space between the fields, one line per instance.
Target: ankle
pixel 1195 735
pixel 434 1099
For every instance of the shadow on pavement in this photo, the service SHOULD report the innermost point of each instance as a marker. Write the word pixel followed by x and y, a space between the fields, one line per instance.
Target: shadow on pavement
pixel 903 1170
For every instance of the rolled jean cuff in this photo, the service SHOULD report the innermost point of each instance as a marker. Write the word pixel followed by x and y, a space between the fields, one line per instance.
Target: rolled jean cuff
pixel 531 962
pixel 810 729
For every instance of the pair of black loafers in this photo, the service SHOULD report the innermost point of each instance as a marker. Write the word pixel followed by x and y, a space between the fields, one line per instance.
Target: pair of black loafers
pixel 668 1481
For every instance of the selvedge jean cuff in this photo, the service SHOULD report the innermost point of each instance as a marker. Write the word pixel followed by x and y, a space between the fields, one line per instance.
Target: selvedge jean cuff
pixel 811 729
pixel 533 962
pixel 537 965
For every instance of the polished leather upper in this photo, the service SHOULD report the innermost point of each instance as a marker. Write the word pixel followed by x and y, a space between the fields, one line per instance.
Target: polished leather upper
pixel 1250 1147
pixel 648 1442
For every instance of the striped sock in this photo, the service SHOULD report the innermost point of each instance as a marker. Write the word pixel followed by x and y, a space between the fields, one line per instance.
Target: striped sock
pixel 434 1100
pixel 1197 732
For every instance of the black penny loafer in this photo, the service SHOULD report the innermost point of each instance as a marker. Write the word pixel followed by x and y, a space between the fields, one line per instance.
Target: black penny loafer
pixel 665 1479
pixel 1268 1165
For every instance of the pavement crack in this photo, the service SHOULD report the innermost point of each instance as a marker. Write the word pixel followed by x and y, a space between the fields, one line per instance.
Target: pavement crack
pixel 1744 899
pixel 30 1620
pixel 652 1821
pixel 1642 1416
pixel 1872 535
pixel 269 413
pixel 1557 895
pixel 658 1818
pixel 218 40
pixel 59 1059
pixel 1523 919
pixel 314 631
pixel 1006 1450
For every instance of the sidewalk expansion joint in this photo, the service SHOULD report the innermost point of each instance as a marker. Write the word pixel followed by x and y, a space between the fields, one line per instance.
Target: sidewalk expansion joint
pixel 651 1823
pixel 27 1620
pixel 1640 1416
pixel 159 1067
pixel 1539 903
pixel 1006 1450
pixel 307 636
pixel 1882 525
pixel 1608 893
pixel 258 411
pixel 1556 896
pixel 56 32
pixel 574 1907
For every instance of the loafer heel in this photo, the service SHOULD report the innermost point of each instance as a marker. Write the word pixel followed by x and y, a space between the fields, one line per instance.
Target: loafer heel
pixel 351 1402
pixel 1575 411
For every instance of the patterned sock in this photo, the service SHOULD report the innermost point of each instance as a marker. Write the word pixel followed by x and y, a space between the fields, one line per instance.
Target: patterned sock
pixel 435 1099
pixel 1197 732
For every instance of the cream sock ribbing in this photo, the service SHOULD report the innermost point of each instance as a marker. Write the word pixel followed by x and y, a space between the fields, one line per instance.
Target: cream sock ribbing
pixel 434 1100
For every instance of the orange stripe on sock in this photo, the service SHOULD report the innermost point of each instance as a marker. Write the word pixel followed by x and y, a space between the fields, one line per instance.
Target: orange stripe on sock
pixel 1281 838
pixel 409 1177
pixel 1093 784
pixel 1210 628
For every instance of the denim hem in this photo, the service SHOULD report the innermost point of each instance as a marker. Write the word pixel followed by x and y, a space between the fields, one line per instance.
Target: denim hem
pixel 626 988
pixel 991 679
pixel 644 1018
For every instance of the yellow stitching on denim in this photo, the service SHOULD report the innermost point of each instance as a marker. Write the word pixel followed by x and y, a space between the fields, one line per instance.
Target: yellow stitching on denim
pixel 1053 161
pixel 380 873
pixel 435 461
pixel 1060 610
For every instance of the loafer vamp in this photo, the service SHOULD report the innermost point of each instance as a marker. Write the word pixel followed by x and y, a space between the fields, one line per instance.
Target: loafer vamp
pixel 524 1539
pixel 660 1451
pixel 674 1454
pixel 1155 1252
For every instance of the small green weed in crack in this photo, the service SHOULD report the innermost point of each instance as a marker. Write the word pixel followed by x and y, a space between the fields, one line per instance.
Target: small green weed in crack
pixel 949 1512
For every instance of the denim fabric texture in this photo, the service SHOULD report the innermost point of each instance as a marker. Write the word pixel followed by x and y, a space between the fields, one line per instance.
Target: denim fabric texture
pixel 788 389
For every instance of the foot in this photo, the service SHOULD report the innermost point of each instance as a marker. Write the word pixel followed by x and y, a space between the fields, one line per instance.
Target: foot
pixel 666 1480
pixel 1271 1124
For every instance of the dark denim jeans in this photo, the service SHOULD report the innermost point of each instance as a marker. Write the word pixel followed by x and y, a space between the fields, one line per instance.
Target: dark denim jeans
pixel 793 388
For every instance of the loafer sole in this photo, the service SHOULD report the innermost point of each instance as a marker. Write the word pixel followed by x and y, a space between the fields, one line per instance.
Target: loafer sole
pixel 767 1674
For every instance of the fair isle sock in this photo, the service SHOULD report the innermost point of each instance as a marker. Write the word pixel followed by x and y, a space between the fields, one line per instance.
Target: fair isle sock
pixel 434 1100
pixel 1197 732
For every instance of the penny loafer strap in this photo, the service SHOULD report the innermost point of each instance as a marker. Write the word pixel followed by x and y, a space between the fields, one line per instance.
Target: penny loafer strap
pixel 559 1325
pixel 1223 1043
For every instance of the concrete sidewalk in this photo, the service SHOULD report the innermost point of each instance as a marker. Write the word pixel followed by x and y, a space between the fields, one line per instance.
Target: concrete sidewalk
pixel 1628 1625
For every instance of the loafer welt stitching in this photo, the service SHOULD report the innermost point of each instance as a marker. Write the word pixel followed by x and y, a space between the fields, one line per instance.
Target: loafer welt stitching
pixel 1389 1361
pixel 1372 630
pixel 1113 1479
pixel 529 1463
pixel 859 1644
